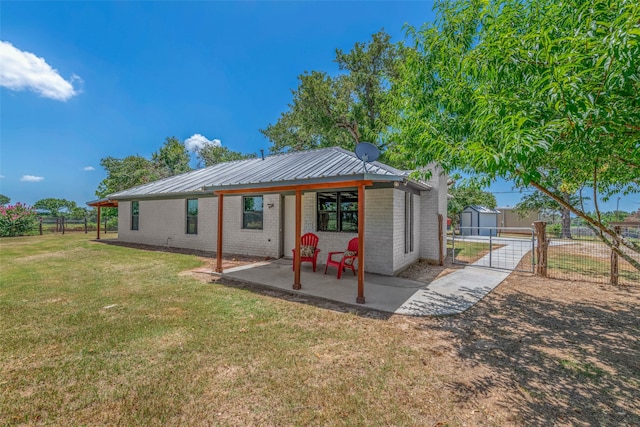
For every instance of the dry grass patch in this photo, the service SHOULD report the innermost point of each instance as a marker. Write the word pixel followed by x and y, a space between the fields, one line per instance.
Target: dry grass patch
pixel 123 338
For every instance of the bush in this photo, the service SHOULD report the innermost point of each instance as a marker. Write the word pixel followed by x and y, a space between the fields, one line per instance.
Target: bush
pixel 554 230
pixel 18 219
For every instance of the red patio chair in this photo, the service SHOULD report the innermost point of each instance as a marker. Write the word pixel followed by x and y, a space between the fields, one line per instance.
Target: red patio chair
pixel 347 259
pixel 308 250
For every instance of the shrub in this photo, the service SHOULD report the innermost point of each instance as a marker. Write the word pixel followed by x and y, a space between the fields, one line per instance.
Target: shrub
pixel 18 219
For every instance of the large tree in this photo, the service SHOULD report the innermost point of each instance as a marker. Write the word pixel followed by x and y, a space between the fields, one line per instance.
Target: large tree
pixel 533 91
pixel 538 201
pixel 55 207
pixel 4 200
pixel 344 109
pixel 126 173
pixel 172 158
pixel 211 154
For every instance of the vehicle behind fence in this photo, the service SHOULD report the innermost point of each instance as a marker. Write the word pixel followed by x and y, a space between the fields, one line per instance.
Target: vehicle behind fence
pixel 584 257
pixel 63 225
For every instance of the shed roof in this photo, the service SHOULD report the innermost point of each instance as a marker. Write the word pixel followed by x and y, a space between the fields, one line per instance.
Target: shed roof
pixel 315 166
pixel 482 209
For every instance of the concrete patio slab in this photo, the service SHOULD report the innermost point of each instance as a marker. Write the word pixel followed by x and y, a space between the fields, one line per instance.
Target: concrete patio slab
pixel 451 294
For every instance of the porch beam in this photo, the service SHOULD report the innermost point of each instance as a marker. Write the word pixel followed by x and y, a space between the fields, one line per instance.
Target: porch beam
pixel 360 297
pixel 220 220
pixel 296 266
pixel 302 187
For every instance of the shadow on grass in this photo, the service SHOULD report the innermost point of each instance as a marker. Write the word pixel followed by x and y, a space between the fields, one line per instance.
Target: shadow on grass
pixel 572 363
pixel 311 300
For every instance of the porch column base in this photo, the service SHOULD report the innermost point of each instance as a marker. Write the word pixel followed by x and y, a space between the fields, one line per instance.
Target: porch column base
pixel 297 286
pixel 360 300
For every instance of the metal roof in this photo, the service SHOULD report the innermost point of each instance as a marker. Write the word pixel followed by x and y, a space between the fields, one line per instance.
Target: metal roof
pixel 483 209
pixel 321 165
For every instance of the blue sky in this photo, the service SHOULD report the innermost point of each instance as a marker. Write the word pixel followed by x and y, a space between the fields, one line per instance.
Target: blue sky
pixel 117 78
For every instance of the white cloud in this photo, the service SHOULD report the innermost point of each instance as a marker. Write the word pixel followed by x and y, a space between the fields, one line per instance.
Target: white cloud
pixel 197 141
pixel 23 70
pixel 88 168
pixel 1 176
pixel 31 178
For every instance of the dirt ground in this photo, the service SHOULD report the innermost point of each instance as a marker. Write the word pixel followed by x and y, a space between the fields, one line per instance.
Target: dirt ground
pixel 535 351
pixel 546 351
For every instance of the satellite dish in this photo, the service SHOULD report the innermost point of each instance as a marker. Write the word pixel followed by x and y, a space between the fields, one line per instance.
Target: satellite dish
pixel 367 152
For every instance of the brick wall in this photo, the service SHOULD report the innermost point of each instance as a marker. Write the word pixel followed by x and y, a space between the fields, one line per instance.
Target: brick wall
pixel 163 223
pixel 433 203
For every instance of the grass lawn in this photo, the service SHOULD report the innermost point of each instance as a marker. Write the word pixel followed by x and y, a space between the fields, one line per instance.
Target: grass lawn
pixel 95 334
pixel 470 252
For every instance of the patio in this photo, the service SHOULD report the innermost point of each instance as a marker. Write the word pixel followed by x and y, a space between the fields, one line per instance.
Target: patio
pixel 451 294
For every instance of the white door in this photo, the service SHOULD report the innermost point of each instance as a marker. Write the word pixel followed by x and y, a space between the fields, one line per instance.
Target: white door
pixel 289 225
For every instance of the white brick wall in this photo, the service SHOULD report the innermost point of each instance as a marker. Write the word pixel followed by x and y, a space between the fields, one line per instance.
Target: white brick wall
pixel 163 223
pixel 401 260
pixel 236 240
pixel 433 203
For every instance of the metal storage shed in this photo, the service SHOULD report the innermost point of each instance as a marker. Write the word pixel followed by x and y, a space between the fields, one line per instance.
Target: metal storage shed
pixel 479 221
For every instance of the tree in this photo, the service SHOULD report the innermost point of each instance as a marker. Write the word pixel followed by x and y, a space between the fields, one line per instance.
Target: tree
pixel 538 201
pixel 126 173
pixel 464 195
pixel 342 110
pixel 4 200
pixel 536 92
pixel 172 158
pixel 211 154
pixel 55 207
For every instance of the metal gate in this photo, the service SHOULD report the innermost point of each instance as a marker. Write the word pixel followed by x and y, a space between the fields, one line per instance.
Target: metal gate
pixel 506 248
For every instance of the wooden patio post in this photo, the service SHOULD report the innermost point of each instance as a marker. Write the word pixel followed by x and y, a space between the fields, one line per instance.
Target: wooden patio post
pixel 219 248
pixel 98 224
pixel 541 248
pixel 296 267
pixel 614 259
pixel 360 297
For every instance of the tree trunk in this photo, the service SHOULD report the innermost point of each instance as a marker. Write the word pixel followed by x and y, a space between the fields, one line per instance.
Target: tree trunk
pixel 566 219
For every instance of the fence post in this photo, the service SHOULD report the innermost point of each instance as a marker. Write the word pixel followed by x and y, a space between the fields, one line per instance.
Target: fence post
pixel 105 225
pixel 86 230
pixel 541 248
pixel 41 226
pixel 614 258
pixel 62 224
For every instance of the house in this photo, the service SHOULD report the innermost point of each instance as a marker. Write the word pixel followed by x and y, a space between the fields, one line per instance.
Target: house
pixel 479 221
pixel 261 206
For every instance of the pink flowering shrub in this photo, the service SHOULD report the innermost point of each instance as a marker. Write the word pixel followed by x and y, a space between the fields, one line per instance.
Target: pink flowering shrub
pixel 17 219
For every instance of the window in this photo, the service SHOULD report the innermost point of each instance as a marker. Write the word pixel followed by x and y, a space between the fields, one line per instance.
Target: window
pixel 252 213
pixel 135 215
pixel 338 211
pixel 408 223
pixel 192 216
